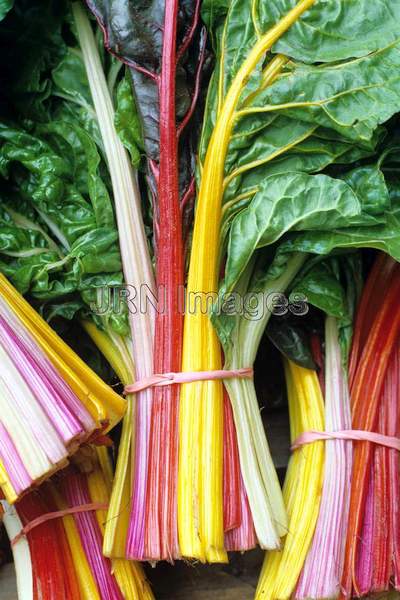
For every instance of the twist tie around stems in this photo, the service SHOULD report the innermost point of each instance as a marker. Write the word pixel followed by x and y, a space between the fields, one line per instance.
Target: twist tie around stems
pixel 57 515
pixel 352 435
pixel 187 377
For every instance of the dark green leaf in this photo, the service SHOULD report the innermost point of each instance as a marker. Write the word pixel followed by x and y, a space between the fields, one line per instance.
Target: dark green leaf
pixel 322 289
pixel 127 121
pixel 291 340
pixel 5 7
pixel 31 45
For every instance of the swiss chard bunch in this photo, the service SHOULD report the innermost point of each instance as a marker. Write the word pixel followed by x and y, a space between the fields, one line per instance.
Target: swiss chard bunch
pixel 164 48
pixel 296 112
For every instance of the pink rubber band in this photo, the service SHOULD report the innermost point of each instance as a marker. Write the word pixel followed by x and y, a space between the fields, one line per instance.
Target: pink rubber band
pixel 350 435
pixel 57 515
pixel 187 377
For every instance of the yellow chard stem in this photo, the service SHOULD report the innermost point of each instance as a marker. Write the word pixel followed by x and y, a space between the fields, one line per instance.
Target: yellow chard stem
pixel 117 522
pixel 121 363
pixel 200 518
pixel 6 486
pixel 87 584
pixel 116 527
pixel 270 73
pixel 99 399
pixel 302 489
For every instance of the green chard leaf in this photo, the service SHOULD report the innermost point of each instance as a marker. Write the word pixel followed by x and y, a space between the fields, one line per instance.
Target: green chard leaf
pixel 293 201
pixel 127 122
pixel 70 84
pixel 295 172
pixel 334 287
pixel 333 30
pixel 29 49
pixel 291 339
pixel 58 237
pixel 322 288
pixel 351 98
pixel 5 7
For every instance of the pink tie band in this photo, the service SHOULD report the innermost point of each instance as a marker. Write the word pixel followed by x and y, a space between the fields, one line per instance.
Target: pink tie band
pixel 57 515
pixel 349 435
pixel 187 377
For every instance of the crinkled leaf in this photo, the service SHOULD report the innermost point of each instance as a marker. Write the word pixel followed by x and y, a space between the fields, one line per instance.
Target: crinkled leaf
pixel 333 30
pixel 329 31
pixel 58 173
pixel 70 83
pixel 132 30
pixel 309 118
pixel 385 237
pixel 339 232
pixel 31 44
pixel 67 243
pixel 334 286
pixel 127 122
pixel 324 109
pixel 67 310
pixel 59 242
pixel 292 201
pixel 369 185
pixel 352 98
pixel 84 159
pixel 322 289
pixel 70 79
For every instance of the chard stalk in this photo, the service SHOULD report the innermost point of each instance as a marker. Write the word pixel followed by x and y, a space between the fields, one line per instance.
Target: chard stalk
pixel 86 395
pixel 86 581
pixel 52 568
pixel 365 565
pixel 232 478
pixel 161 509
pixel 43 418
pixel 379 278
pixel 243 537
pixel 14 472
pixel 136 267
pixel 323 567
pixel 117 523
pixel 21 552
pixel 200 518
pixel 76 492
pixel 114 349
pixel 302 488
pixel 368 383
pixel 258 471
pixel 382 501
pixel 27 426
pixel 392 390
pixel 128 574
